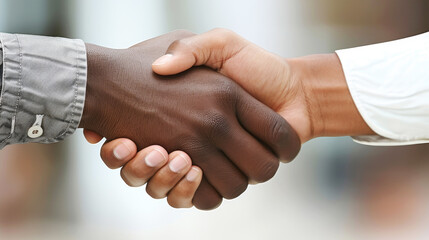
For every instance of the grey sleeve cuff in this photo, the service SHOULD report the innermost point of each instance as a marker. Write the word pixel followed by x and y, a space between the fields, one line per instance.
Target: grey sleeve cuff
pixel 43 88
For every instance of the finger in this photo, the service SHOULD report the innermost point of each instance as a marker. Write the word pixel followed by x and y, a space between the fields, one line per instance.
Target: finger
pixel 269 127
pixel 210 49
pixel 144 165
pixel 92 137
pixel 170 64
pixel 206 197
pixel 118 152
pixel 182 194
pixel 257 162
pixel 221 173
pixel 167 177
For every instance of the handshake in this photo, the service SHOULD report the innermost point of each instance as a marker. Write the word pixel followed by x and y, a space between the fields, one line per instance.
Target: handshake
pixel 199 117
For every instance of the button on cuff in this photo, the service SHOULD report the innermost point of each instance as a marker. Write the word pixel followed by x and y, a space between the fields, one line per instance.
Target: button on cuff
pixel 36 130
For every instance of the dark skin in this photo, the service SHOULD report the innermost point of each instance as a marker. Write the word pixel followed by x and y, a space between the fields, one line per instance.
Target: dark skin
pixel 229 134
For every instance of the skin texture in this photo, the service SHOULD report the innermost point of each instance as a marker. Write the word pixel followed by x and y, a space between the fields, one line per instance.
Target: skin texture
pixel 230 135
pixel 311 92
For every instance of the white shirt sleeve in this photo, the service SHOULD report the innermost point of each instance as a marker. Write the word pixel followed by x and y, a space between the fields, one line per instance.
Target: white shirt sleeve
pixel 389 83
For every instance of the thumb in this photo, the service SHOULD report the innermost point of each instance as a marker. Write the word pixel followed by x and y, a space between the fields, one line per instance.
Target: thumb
pixel 211 49
pixel 181 55
pixel 173 63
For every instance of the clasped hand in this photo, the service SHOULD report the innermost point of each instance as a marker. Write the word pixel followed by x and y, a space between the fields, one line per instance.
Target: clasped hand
pixel 198 115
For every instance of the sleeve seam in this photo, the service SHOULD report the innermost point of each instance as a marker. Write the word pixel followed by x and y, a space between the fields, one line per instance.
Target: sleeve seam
pixel 19 84
pixel 75 86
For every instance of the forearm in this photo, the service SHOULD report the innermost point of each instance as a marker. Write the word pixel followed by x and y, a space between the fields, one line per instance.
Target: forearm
pixel 331 108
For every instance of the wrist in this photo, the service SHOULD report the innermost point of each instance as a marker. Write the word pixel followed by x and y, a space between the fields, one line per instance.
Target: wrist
pixel 330 106
pixel 97 63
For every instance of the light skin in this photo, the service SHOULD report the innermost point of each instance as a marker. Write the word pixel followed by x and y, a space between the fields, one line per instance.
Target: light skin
pixel 309 92
pixel 178 187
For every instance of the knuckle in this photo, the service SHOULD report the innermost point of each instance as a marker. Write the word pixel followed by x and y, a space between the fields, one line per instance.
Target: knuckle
pixel 266 171
pixel 278 132
pixel 225 92
pixel 175 44
pixel 236 190
pixel 207 204
pixel 223 35
pixel 191 144
pixel 293 147
pixel 286 143
pixel 194 147
pixel 182 33
pixel 216 125
pixel 219 30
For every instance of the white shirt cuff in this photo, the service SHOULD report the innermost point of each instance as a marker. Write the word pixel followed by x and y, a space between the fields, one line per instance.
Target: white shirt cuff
pixel 389 83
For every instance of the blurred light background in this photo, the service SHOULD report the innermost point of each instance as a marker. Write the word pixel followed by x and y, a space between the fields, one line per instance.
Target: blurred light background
pixel 335 189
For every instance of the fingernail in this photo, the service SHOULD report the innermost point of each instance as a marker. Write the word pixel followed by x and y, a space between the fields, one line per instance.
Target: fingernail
pixel 154 158
pixel 121 151
pixel 178 164
pixel 162 60
pixel 192 174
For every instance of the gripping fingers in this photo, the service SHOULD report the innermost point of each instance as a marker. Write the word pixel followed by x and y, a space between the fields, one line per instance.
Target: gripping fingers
pixel 206 197
pixel 118 152
pixel 144 165
pixel 168 176
pixel 182 194
pixel 269 127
